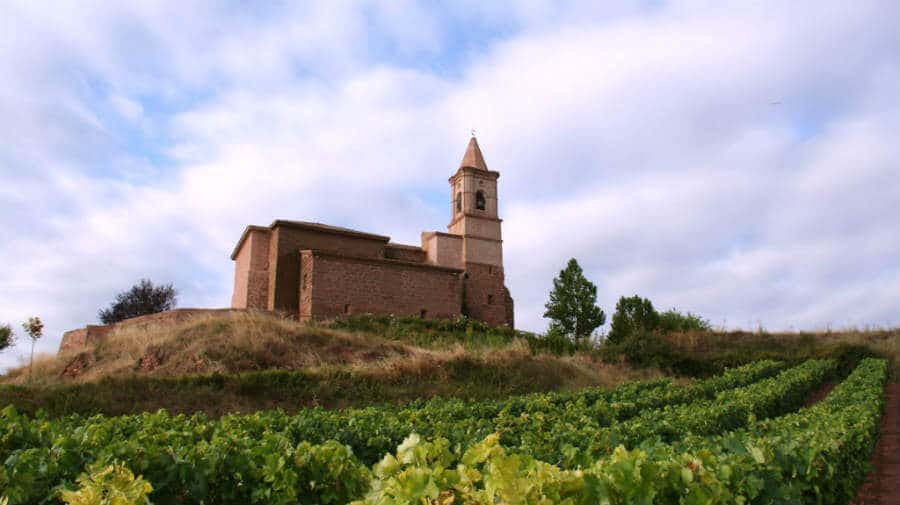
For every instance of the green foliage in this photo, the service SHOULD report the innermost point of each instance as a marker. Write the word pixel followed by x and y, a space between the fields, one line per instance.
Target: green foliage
pixel 444 333
pixel 652 350
pixel 645 349
pixel 143 298
pixel 849 356
pixel 738 438
pixel 34 328
pixel 639 334
pixel 431 332
pixel 7 337
pixel 634 316
pixel 572 308
pixel 241 459
pixel 816 455
pixel 423 472
pixel 704 412
pixel 317 455
pixel 558 344
pixel 672 320
pixel 109 485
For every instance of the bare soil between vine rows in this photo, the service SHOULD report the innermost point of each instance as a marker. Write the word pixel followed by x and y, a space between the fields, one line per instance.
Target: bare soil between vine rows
pixel 819 394
pixel 882 487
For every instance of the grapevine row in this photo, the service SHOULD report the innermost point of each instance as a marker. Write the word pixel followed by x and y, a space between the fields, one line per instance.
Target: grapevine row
pixel 575 440
pixel 816 455
pixel 276 458
pixel 374 432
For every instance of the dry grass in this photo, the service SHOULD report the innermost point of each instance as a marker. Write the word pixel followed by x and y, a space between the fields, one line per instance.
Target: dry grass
pixel 227 343
pixel 45 365
pixel 244 362
pixel 884 342
pixel 240 342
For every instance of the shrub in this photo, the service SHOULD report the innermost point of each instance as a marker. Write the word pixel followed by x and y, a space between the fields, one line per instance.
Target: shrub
pixel 634 315
pixel 556 343
pixel 672 320
pixel 7 337
pixel 849 356
pixel 143 298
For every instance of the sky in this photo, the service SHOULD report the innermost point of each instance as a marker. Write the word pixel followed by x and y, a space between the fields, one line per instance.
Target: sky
pixel 738 160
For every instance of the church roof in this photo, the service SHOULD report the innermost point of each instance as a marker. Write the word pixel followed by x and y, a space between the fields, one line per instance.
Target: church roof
pixel 338 230
pixel 328 229
pixel 473 157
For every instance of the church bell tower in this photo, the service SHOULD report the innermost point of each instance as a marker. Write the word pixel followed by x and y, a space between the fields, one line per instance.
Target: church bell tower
pixel 474 209
pixel 474 217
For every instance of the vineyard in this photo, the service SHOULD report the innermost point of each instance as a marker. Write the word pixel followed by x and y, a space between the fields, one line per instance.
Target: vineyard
pixel 742 437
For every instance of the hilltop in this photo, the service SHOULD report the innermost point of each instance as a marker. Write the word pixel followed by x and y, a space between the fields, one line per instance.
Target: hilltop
pixel 246 361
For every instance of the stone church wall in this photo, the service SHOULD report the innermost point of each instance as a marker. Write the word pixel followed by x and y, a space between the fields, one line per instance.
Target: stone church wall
pixel 93 334
pixel 82 337
pixel 288 241
pixel 486 298
pixel 251 271
pixel 334 285
pixel 443 249
pixel 404 253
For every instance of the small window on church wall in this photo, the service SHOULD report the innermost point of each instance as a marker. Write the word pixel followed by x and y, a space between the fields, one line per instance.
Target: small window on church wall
pixel 423 313
pixel 347 308
pixel 490 299
pixel 479 200
pixel 459 202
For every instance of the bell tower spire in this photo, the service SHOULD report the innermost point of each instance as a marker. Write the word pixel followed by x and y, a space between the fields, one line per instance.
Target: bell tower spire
pixel 474 212
pixel 473 157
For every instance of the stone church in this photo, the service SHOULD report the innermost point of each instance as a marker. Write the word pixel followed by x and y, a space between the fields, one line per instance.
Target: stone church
pixel 317 271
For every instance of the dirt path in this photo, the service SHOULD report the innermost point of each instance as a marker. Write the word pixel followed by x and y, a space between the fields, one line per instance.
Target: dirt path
pixel 819 394
pixel 883 485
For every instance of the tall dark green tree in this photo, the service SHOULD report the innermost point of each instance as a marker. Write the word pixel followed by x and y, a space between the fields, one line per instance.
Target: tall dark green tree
pixel 572 308
pixel 634 316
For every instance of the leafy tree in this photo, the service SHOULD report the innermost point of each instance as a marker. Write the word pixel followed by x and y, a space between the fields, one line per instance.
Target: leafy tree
pixel 34 328
pixel 7 338
pixel 672 320
pixel 572 308
pixel 143 298
pixel 634 315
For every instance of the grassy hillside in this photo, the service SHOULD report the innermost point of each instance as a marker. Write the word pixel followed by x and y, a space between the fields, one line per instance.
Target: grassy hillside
pixel 247 361
pixel 720 349
pixel 243 362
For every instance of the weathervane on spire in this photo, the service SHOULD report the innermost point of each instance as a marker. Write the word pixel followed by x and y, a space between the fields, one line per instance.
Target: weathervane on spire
pixel 473 132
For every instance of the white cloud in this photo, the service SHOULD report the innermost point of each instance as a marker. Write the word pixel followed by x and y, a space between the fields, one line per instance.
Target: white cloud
pixel 129 109
pixel 736 163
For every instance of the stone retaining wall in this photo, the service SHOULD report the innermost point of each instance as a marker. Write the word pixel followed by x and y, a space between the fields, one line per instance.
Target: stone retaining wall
pixel 92 334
